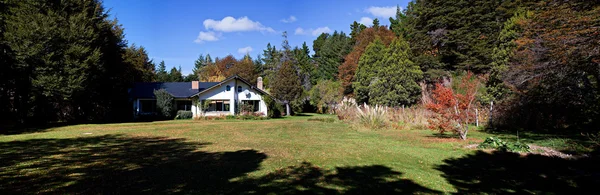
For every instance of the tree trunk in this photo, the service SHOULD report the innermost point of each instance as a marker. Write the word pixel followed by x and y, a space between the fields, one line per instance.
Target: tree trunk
pixel 287 109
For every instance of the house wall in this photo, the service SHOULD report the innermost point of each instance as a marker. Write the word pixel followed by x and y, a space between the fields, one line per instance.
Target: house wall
pixel 221 93
pixel 251 94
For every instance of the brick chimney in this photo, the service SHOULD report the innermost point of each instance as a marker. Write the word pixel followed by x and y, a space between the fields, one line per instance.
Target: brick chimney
pixel 259 83
pixel 195 84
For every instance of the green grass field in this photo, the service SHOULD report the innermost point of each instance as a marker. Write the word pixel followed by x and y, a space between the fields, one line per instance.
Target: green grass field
pixel 291 155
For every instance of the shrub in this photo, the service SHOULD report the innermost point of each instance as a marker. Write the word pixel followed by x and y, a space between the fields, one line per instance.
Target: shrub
pixel 372 117
pixel 164 103
pixel 182 114
pixel 274 108
pixel 498 144
pixel 229 117
pixel 454 108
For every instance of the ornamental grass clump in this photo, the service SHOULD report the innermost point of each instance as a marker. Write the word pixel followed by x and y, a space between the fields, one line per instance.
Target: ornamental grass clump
pixel 372 117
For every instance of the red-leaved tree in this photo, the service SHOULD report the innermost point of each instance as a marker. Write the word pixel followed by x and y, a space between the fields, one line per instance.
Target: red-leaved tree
pixel 454 108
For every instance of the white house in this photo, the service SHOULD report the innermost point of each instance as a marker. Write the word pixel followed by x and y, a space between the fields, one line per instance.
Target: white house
pixel 221 98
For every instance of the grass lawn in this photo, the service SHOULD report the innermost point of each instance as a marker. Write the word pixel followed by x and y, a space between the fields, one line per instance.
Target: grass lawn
pixel 290 155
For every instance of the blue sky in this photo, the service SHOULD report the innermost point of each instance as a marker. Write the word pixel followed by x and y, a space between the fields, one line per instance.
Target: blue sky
pixel 178 31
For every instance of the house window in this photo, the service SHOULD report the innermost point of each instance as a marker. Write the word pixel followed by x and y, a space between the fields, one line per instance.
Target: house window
pixel 255 104
pixel 184 105
pixel 239 88
pixel 147 106
pixel 218 105
pixel 228 88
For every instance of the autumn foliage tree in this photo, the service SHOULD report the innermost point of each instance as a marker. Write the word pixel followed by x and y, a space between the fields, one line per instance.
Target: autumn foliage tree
pixel 454 107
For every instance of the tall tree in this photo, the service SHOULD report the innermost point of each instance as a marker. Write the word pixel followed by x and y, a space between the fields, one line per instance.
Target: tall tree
pixel 347 70
pixel 331 55
pixel 271 59
pixel 367 71
pixel 287 88
pixel 175 75
pixel 138 58
pixel 67 60
pixel 305 66
pixel 398 78
pixel 161 72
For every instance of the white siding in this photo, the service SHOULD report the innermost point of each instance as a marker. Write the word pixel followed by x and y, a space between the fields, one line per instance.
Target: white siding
pixel 220 93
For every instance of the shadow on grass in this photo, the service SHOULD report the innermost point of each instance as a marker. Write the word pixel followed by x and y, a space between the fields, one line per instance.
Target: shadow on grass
pixel 15 129
pixel 306 178
pixel 511 173
pixel 117 164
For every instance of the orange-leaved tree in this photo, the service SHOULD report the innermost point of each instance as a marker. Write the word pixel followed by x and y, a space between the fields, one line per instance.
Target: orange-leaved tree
pixel 454 108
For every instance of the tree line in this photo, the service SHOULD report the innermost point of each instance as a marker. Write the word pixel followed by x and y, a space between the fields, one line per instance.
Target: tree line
pixel 538 60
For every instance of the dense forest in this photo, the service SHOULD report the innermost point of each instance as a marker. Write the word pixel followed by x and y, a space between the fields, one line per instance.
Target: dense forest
pixel 538 60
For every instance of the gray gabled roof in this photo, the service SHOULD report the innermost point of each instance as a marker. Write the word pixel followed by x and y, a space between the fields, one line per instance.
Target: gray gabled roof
pixel 233 77
pixel 176 89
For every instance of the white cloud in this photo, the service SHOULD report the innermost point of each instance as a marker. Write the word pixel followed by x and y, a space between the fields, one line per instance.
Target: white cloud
pixel 230 24
pixel 207 36
pixel 320 30
pixel 299 31
pixel 366 21
pixel 289 20
pixel 245 50
pixel 384 12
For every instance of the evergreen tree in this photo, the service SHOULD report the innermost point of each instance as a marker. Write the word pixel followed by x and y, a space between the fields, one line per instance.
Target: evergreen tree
pixel 287 88
pixel 376 23
pixel 68 61
pixel 398 24
pixel 398 78
pixel 511 31
pixel 271 58
pixel 175 75
pixel 198 65
pixel 369 66
pixel 161 72
pixel 347 70
pixel 305 67
pixel 331 55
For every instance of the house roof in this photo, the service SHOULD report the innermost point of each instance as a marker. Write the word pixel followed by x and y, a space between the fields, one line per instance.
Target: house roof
pixel 176 89
pixel 229 78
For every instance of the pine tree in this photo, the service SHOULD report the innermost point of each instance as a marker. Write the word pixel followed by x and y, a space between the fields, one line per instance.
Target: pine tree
pixel 331 55
pixel 198 65
pixel 376 23
pixel 161 72
pixel 287 88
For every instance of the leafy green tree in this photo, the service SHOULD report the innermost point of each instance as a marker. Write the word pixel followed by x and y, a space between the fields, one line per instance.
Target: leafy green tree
pixel 368 68
pixel 287 86
pixel 326 95
pixel 164 103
